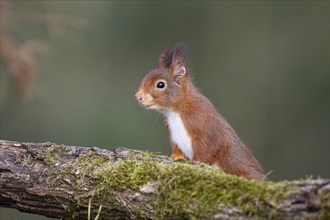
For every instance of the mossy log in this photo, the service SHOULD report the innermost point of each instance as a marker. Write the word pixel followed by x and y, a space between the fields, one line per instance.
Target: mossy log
pixel 59 181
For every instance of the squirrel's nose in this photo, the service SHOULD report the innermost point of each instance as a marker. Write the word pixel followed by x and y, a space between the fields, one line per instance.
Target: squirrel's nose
pixel 138 96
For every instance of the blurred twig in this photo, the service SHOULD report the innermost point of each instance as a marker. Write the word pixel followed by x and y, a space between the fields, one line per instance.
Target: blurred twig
pixel 21 63
pixel 19 56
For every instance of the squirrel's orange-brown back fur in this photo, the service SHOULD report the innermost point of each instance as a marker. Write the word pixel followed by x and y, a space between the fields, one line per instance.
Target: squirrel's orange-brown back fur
pixel 169 89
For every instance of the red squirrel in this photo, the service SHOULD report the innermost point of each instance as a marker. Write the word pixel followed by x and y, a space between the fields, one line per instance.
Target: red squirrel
pixel 197 131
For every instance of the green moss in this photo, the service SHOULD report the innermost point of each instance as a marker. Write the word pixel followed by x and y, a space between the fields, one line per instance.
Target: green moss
pixel 84 169
pixel 51 154
pixel 186 190
pixel 24 160
pixel 88 164
pixel 325 203
pixel 149 155
pixel 125 174
pixel 82 172
pixel 195 191
pixel 190 191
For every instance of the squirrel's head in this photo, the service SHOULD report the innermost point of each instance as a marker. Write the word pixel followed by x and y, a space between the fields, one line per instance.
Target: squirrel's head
pixel 163 86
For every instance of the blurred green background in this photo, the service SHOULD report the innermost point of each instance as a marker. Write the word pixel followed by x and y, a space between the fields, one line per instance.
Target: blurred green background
pixel 264 65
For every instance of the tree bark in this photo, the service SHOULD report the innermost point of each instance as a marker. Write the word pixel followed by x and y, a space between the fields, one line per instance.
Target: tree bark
pixel 58 181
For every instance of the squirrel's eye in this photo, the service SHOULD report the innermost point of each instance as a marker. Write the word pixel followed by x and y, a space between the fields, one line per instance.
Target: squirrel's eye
pixel 160 85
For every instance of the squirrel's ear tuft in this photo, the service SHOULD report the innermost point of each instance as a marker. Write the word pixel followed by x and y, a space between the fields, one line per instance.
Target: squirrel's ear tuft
pixel 165 59
pixel 172 56
pixel 179 53
pixel 179 59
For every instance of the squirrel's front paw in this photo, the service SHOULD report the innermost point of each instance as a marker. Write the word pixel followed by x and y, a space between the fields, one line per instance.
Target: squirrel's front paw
pixel 178 156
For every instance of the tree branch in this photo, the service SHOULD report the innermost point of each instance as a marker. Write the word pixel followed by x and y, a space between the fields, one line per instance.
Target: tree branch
pixel 58 181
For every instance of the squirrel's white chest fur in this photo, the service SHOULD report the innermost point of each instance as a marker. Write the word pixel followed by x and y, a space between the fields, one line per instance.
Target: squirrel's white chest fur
pixel 179 133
